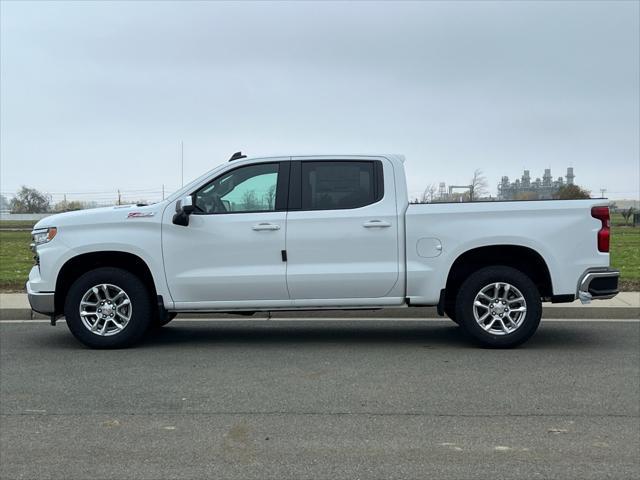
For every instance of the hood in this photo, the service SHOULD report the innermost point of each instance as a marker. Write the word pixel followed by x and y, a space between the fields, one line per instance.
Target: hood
pixel 91 216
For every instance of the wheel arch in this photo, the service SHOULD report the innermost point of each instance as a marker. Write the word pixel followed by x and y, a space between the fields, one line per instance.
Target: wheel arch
pixel 522 258
pixel 85 262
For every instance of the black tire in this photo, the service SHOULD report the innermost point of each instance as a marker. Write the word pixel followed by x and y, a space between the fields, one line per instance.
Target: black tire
pixel 161 322
pixel 452 316
pixel 450 308
pixel 489 275
pixel 140 301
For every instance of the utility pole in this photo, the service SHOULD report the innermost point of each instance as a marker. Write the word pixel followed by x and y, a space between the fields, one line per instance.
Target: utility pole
pixel 119 199
pixel 163 191
pixel 602 192
pixel 182 163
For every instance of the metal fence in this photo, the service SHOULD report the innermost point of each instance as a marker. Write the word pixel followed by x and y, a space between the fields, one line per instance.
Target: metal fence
pixel 23 216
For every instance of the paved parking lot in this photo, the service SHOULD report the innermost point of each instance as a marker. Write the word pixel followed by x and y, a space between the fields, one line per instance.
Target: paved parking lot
pixel 324 399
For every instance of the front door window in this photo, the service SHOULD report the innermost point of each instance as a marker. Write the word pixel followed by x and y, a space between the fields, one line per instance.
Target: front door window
pixel 245 189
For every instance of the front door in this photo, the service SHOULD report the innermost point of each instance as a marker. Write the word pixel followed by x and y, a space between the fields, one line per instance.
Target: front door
pixel 230 254
pixel 342 230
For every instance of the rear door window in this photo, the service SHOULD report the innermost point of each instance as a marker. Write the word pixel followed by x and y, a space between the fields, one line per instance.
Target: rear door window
pixel 334 185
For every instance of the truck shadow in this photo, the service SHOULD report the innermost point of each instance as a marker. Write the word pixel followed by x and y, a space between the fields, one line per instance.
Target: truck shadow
pixel 428 335
pixel 299 332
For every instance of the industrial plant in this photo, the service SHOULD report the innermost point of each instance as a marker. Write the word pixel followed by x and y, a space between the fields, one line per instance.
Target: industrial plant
pixel 525 189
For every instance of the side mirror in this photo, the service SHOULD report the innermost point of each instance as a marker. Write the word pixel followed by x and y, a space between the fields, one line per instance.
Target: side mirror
pixel 187 204
pixel 184 208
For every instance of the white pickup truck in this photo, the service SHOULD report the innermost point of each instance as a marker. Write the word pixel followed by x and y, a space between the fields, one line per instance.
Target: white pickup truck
pixel 317 232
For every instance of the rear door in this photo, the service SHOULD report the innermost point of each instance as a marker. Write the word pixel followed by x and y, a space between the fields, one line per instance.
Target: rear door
pixel 342 229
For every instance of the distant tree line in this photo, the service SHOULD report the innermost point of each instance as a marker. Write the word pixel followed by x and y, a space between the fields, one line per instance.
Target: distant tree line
pixel 571 192
pixel 31 200
pixel 627 214
pixel 477 190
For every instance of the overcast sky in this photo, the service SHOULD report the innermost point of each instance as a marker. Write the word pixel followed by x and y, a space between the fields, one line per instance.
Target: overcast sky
pixel 96 96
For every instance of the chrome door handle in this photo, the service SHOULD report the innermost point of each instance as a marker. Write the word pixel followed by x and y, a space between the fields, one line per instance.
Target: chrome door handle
pixel 376 224
pixel 265 226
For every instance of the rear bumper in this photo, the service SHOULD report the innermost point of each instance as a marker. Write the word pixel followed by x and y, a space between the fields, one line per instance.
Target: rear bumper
pixel 598 285
pixel 41 302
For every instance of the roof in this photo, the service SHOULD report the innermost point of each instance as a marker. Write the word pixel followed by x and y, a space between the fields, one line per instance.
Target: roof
pixel 395 156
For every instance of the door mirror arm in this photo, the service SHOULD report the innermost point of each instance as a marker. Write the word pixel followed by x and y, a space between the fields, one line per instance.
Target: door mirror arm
pixel 184 208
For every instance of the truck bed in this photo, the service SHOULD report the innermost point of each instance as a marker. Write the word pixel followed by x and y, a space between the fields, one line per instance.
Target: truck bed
pixel 562 232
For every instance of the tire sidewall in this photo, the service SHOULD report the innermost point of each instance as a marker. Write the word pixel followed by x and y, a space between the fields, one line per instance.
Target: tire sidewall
pixel 484 277
pixel 138 295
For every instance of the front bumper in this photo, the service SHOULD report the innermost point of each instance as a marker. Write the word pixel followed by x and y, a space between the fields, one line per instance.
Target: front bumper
pixel 598 285
pixel 41 302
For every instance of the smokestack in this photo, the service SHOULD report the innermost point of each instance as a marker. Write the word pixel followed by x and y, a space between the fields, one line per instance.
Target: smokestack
pixel 570 176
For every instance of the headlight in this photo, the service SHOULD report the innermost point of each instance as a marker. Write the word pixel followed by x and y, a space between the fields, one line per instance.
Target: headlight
pixel 43 235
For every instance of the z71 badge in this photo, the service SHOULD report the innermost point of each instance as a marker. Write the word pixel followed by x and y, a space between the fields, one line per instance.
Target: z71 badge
pixel 140 214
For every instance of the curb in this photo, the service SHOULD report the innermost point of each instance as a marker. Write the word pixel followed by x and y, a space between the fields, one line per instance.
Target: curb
pixel 602 313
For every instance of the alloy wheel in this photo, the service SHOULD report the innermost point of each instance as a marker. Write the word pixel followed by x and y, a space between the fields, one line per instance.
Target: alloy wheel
pixel 499 308
pixel 105 309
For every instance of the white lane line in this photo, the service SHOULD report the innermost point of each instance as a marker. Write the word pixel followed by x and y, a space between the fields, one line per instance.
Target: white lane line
pixel 591 320
pixel 27 321
pixel 344 319
pixel 386 319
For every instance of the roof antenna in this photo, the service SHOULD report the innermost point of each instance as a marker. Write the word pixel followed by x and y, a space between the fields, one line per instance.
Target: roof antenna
pixel 237 156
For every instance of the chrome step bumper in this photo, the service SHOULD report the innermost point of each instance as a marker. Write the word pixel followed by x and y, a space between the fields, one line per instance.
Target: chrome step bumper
pixel 598 285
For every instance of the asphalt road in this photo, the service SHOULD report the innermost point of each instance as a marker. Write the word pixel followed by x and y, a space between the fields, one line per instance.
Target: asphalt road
pixel 327 400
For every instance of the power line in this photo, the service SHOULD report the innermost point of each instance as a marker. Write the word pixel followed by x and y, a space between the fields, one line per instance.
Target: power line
pixel 181 163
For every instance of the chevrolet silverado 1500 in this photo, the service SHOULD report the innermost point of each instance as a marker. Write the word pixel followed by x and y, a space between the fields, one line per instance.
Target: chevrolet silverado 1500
pixel 317 232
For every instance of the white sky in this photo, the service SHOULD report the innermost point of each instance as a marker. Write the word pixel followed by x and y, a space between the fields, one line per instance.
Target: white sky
pixel 96 96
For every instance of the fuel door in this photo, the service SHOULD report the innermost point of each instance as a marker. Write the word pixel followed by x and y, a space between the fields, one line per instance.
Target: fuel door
pixel 429 247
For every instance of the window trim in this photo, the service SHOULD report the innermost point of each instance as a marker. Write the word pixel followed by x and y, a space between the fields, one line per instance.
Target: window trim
pixel 282 184
pixel 295 184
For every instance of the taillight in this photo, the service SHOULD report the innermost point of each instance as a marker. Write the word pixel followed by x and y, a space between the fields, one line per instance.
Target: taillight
pixel 602 214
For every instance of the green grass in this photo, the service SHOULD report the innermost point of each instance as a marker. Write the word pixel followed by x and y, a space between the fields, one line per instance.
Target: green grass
pixel 625 255
pixel 16 258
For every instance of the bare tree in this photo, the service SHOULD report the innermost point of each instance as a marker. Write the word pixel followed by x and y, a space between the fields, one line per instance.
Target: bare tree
pixel 479 185
pixel 66 206
pixel 429 193
pixel 250 201
pixel 30 200
pixel 270 196
pixel 627 213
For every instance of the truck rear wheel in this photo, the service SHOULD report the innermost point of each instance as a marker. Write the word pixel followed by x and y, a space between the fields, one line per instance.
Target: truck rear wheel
pixel 450 310
pixel 499 307
pixel 108 308
pixel 451 313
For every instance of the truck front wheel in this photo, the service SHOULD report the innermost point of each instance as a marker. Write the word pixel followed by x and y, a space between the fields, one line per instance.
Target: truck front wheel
pixel 108 308
pixel 499 307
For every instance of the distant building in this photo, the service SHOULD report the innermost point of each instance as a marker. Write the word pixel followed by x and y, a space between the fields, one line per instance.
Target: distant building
pixel 525 189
